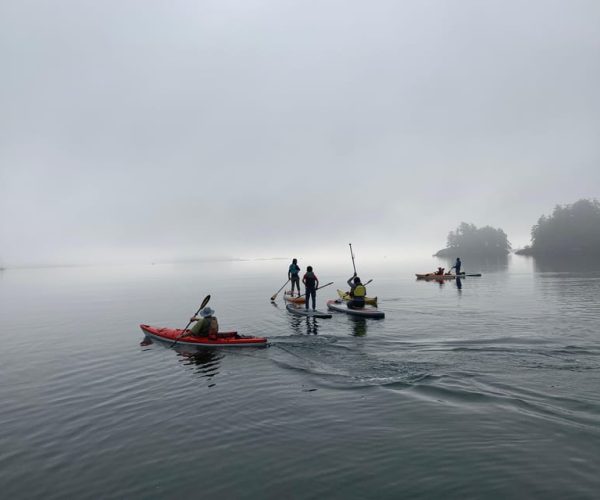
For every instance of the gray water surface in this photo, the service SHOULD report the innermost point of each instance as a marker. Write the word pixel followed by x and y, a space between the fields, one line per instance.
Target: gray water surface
pixel 490 390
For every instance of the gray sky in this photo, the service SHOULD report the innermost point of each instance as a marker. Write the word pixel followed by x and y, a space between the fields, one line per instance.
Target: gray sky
pixel 153 130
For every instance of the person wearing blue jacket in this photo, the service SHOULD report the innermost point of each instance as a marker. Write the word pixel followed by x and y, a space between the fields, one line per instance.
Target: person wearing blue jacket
pixel 294 276
pixel 457 265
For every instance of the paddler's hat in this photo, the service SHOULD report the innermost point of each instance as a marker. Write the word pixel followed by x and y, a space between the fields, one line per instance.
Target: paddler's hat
pixel 207 311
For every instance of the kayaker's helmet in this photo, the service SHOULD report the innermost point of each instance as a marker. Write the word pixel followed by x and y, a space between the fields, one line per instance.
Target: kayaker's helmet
pixel 207 311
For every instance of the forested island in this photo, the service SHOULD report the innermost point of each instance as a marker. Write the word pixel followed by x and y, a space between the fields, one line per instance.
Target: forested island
pixel 467 239
pixel 570 230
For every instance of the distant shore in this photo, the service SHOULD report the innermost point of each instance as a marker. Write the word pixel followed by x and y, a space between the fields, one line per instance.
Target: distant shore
pixel 571 252
pixel 454 252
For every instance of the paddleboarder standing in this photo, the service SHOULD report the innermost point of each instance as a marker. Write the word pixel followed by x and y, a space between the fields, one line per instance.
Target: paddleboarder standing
pixel 311 283
pixel 293 275
pixel 457 265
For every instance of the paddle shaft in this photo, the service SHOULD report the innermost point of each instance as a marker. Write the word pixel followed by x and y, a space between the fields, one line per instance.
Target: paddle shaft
pixel 323 286
pixel 204 302
pixel 364 284
pixel 273 297
pixel 352 255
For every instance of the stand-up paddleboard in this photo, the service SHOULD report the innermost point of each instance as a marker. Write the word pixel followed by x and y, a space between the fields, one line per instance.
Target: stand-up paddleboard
pixel 302 311
pixel 364 312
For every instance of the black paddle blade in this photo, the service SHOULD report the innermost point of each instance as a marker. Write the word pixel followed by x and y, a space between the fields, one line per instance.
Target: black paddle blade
pixel 205 301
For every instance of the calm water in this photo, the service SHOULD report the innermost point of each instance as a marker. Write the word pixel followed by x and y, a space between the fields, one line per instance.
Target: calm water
pixel 487 391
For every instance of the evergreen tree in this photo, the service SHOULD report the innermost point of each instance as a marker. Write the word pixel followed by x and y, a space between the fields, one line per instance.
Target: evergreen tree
pixel 468 239
pixel 570 229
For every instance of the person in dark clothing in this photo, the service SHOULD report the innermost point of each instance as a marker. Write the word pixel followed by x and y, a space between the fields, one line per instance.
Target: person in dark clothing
pixel 293 275
pixel 311 283
pixel 457 265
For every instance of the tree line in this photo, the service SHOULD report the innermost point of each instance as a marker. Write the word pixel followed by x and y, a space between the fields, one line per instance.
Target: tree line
pixel 570 229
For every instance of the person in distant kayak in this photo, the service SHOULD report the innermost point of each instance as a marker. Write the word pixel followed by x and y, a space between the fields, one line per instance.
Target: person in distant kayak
pixel 457 265
pixel 358 292
pixel 293 275
pixel 206 326
pixel 439 272
pixel 311 283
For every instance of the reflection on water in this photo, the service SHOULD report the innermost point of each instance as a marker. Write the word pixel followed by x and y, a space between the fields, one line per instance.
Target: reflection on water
pixel 570 264
pixel 459 284
pixel 440 281
pixel 359 326
pixel 207 361
pixel 304 325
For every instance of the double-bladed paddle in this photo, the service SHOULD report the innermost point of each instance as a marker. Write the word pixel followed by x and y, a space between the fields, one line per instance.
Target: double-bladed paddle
pixel 202 306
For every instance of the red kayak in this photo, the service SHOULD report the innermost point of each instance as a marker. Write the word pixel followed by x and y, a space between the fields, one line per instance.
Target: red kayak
pixel 223 339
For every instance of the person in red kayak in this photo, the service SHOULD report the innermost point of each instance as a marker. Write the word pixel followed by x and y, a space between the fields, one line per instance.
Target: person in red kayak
pixel 439 272
pixel 311 283
pixel 206 326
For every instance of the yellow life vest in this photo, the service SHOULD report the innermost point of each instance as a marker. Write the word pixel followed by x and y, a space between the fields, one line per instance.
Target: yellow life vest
pixel 359 291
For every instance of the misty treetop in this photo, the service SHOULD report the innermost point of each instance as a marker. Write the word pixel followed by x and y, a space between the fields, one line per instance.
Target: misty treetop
pixel 571 229
pixel 468 239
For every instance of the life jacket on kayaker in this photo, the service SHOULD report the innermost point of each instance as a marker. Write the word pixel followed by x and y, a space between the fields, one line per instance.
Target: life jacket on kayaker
pixel 358 292
pixel 357 289
pixel 206 326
